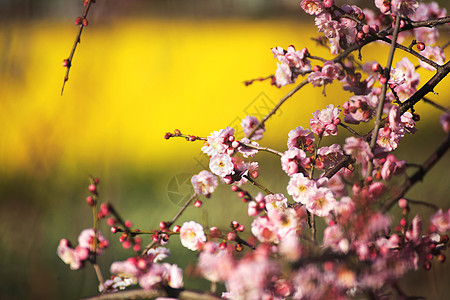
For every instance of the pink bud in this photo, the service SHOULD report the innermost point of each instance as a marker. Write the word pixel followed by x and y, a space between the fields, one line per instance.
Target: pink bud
pixel 176 228
pixel 403 203
pixel 198 203
pixel 128 224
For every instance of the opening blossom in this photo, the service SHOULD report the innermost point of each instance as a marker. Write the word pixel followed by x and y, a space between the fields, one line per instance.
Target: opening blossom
pixel 248 124
pixel 192 235
pixel 325 121
pixel 221 165
pixel 204 183
pixel 312 7
pixel 299 187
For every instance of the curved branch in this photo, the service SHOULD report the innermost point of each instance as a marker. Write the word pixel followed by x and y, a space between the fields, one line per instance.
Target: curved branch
pixel 144 294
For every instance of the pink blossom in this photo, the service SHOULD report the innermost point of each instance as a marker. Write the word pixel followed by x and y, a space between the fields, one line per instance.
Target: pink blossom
pixel 284 222
pixel 161 275
pixel 337 185
pixel 435 54
pixel 327 25
pixel 426 35
pixel 276 201
pixel 318 79
pixel 396 77
pixel 408 122
pixel 358 149
pixel 441 220
pixel 312 7
pixel 296 58
pixel 300 138
pixel 192 235
pixel 445 122
pixel 394 118
pixel 299 187
pixel 292 161
pixel 248 124
pixel 219 142
pixel 325 121
pixel 264 230
pixel 129 268
pixel 390 167
pixel 331 70
pixel 351 10
pixel 158 254
pixel 427 11
pixel 86 240
pixel 377 224
pixel 247 151
pixel 327 157
pixel 404 7
pixel 320 202
pixel 68 255
pixel 215 264
pixel 333 237
pixel 283 75
pixel 204 183
pixel 221 165
pixel 412 78
pixel 388 139
pixel 358 109
pixel 383 5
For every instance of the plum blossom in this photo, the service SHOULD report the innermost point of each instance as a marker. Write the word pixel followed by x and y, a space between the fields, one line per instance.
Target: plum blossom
pixel 214 263
pixel 69 255
pixel 300 138
pixel 426 35
pixel 292 161
pixel 383 5
pixel 283 75
pixel 358 108
pixel 204 183
pixel 162 274
pixel 327 157
pixel 329 72
pixel 192 235
pixel 221 165
pixel 358 148
pixel 320 201
pixel 312 7
pixel 391 166
pixel 435 54
pixel 219 142
pixel 325 121
pixel 404 7
pixel 441 220
pixel 245 150
pixel 300 187
pixel 427 11
pixel 276 201
pixel 248 124
pixel 86 240
pixel 445 122
pixel 388 139
pixel 327 25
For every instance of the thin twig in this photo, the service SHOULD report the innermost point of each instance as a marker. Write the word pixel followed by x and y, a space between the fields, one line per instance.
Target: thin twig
pixel 258 185
pixel 419 174
pixel 379 111
pixel 75 44
pixel 179 213
pixel 438 106
pixel 274 110
pixel 267 149
pixel 424 203
pixel 351 130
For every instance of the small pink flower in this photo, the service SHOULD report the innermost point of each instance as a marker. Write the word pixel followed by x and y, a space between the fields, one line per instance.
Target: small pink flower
pixel 397 77
pixel 358 109
pixel 192 235
pixel 248 124
pixel 404 7
pixel 219 142
pixel 312 7
pixel 329 156
pixel 204 183
pixel 388 139
pixel 264 230
pixel 358 149
pixel 435 54
pixel 445 122
pixel 320 202
pixel 441 220
pixel 299 187
pixel 283 75
pixel 86 240
pixel 300 138
pixel 327 25
pixel 247 151
pixel 291 161
pixel 390 167
pixel 276 201
pixel 158 254
pixel 215 264
pixel 68 255
pixel 426 35
pixel 221 165
pixel 325 121
pixel 383 5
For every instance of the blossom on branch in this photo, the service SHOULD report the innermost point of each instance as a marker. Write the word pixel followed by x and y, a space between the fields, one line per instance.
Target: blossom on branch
pixel 204 183
pixel 192 235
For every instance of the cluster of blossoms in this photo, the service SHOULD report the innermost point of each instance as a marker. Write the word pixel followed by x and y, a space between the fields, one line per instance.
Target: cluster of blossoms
pixel 364 250
pixel 89 242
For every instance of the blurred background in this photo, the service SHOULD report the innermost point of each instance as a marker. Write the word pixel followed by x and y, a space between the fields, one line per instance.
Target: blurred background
pixel 144 68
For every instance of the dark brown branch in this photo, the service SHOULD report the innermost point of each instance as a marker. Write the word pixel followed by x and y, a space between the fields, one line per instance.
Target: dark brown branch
pixel 144 294
pixel 420 174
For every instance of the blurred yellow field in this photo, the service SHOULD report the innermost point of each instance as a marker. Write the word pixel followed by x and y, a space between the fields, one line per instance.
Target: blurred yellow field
pixel 132 81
